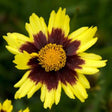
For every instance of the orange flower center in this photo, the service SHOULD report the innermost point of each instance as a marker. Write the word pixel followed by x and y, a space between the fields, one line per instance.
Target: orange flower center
pixel 52 57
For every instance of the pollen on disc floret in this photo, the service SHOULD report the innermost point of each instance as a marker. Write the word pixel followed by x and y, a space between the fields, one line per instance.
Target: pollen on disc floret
pixel 52 57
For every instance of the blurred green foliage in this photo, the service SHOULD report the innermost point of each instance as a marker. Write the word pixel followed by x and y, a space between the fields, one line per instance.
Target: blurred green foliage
pixel 13 16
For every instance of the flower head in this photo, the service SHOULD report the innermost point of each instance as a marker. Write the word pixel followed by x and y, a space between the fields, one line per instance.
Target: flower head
pixel 8 107
pixel 53 58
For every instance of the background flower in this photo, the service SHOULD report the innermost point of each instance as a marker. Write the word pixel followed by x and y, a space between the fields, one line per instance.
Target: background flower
pixel 13 16
pixel 8 107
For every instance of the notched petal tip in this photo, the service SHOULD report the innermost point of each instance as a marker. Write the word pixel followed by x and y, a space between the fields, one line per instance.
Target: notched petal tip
pixel 12 50
pixel 33 14
pixel 95 28
pixel 68 90
pixel 78 32
pixel 15 41
pixel 58 93
pixel 83 80
pixel 90 56
pixel 22 80
pixel 60 9
pixel 24 88
pixel 105 62
pixel 59 20
pixel 4 37
pixel 52 13
pixel 87 45
pixel 21 60
pixel 35 88
pixel 86 38
pixel 80 91
pixel 92 63
pixel 36 24
pixel 49 98
pixel 88 70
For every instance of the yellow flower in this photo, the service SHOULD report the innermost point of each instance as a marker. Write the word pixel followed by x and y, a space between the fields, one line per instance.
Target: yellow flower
pixel 26 110
pixel 8 107
pixel 54 58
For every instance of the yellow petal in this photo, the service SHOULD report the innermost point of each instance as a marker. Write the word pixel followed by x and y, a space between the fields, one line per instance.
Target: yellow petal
pixel 35 88
pixel 94 63
pixel 22 60
pixel 77 32
pixel 87 70
pixel 59 20
pixel 84 47
pixel 43 92
pixel 23 79
pixel 68 91
pixel 91 63
pixel 36 25
pixel 29 30
pixel 51 21
pixel 58 93
pixel 24 89
pixel 79 91
pixel 0 106
pixel 49 98
pixel 15 40
pixel 7 106
pixel 90 56
pixel 82 79
pixel 12 50
pixel 44 27
pixel 65 26
pixel 85 36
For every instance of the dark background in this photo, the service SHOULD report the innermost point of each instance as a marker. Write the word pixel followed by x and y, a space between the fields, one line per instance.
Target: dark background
pixel 13 16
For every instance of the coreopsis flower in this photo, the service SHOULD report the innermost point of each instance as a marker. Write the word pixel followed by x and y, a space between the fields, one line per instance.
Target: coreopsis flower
pixel 53 58
pixel 8 107
pixel 26 110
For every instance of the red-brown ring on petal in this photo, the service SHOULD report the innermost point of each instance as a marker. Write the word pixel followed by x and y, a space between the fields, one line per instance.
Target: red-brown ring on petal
pixel 52 78
pixel 74 62
pixel 72 47
pixel 67 75
pixel 29 47
pixel 57 36
pixel 33 62
pixel 39 42
pixel 2 111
